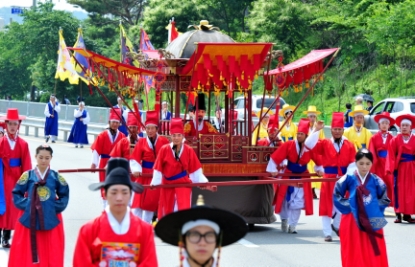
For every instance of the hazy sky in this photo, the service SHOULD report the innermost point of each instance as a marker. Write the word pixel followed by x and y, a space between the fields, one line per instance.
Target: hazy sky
pixel 59 4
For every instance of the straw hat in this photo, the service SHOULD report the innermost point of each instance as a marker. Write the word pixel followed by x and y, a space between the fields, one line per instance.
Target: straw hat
pixel 358 109
pixel 286 108
pixel 313 110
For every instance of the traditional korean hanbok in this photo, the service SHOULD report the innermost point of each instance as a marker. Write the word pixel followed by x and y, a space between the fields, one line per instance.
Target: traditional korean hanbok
pixel 362 201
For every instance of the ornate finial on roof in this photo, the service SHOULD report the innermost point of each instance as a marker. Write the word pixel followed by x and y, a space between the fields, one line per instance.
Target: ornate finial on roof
pixel 204 26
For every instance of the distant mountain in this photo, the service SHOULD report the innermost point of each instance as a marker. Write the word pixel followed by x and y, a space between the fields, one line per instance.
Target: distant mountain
pixel 6 14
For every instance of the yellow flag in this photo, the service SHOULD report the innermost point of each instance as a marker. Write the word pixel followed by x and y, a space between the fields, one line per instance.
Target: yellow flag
pixel 65 69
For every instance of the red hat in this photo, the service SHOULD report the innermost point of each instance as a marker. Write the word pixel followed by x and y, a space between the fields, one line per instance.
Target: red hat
pixel 176 126
pixel 384 115
pixel 273 122
pixel 337 120
pixel 132 119
pixel 12 115
pixel 304 126
pixel 115 114
pixel 399 120
pixel 152 118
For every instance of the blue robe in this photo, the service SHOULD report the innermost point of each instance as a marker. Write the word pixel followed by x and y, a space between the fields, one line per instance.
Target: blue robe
pixel 78 133
pixel 375 202
pixel 54 197
pixel 51 124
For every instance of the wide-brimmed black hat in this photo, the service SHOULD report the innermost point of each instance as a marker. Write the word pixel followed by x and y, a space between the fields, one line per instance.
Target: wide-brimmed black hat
pixel 232 226
pixel 117 172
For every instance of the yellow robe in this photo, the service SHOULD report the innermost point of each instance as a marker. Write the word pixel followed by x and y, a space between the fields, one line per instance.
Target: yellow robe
pixel 263 132
pixel 289 133
pixel 311 164
pixel 359 139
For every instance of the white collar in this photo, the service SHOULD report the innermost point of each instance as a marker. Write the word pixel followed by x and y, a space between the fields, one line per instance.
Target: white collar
pixel 362 179
pixel 119 228
pixel 181 149
pixel 149 142
pixel 42 175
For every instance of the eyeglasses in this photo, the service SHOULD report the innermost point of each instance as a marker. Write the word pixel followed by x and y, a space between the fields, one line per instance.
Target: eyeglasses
pixel 195 237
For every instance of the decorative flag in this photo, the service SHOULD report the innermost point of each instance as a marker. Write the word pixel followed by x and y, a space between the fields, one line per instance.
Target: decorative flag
pixel 126 47
pixel 81 63
pixel 65 69
pixel 173 32
pixel 145 43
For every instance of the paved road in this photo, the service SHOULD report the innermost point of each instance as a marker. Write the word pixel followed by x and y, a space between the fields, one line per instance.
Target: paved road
pixel 265 246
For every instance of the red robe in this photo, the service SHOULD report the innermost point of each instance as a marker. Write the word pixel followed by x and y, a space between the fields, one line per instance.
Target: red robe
pixel 379 150
pixel 143 152
pixel 190 130
pixel 11 175
pixel 169 167
pixel 122 149
pixel 356 248
pixel 97 232
pixel 401 158
pixel 103 145
pixel 333 163
pixel 266 142
pixel 288 151
pixel 50 246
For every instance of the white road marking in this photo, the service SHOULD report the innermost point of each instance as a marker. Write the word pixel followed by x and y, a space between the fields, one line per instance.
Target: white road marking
pixel 247 244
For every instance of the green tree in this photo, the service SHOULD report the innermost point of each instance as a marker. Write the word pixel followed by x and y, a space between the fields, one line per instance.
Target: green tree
pixel 286 23
pixel 129 11
pixel 158 13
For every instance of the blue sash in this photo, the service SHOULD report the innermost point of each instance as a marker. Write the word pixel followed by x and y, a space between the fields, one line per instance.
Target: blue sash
pixel 177 176
pixel 407 158
pixel 147 164
pixel 16 162
pixel 363 145
pixel 382 153
pixel 289 138
pixel 334 170
pixel 294 168
pixel 105 156
pixel 2 195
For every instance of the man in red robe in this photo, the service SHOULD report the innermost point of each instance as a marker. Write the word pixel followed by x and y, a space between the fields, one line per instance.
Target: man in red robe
pixel 290 199
pixel 176 163
pixel 338 158
pixel 379 144
pixel 124 148
pixel 117 237
pixel 401 163
pixel 272 139
pixel 102 146
pixel 15 159
pixel 203 127
pixel 142 162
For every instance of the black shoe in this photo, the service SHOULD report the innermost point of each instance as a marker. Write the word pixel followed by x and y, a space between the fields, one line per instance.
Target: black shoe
pixel 82 146
pixel 47 139
pixel 336 230
pixel 6 238
pixel 53 141
pixel 76 146
pixel 407 218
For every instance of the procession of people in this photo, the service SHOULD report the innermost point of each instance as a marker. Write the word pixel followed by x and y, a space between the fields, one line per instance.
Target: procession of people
pixel 368 173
